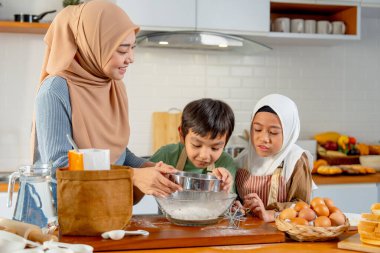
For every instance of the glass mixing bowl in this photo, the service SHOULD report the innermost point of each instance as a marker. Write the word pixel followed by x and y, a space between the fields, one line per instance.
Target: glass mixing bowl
pixel 194 208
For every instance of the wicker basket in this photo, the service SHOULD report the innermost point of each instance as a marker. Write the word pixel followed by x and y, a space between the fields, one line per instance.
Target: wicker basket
pixel 304 233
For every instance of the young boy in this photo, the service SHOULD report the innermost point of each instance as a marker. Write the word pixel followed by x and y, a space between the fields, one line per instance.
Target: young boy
pixel 206 126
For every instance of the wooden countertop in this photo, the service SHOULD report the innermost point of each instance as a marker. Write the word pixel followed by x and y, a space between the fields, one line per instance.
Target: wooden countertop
pixel 288 247
pixel 229 245
pixel 349 179
pixel 165 235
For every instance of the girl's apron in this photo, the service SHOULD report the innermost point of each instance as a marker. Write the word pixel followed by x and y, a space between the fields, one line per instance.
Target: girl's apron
pixel 270 188
pixel 182 161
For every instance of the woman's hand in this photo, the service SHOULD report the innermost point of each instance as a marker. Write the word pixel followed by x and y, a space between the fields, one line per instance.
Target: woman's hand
pixel 253 202
pixel 152 180
pixel 225 176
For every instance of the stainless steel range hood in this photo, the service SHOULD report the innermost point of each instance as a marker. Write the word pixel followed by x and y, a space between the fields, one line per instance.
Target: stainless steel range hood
pixel 200 40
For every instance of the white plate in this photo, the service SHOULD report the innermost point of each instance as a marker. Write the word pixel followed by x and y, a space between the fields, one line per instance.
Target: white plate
pixel 353 218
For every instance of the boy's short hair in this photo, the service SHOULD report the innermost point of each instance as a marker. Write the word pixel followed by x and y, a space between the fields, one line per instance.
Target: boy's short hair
pixel 208 116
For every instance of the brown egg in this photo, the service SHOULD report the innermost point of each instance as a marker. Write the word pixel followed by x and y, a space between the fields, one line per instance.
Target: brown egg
pixel 317 201
pixel 301 205
pixel 334 209
pixel 288 213
pixel 337 219
pixel 321 210
pixel 322 221
pixel 328 202
pixel 307 214
pixel 299 221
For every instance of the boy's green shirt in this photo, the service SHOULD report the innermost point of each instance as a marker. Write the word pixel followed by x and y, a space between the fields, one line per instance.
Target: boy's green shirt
pixel 169 154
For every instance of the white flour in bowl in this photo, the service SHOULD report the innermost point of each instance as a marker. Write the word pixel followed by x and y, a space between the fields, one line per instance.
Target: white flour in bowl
pixel 195 213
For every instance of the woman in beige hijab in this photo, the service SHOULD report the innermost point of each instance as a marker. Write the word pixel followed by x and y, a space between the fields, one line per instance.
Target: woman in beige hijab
pixel 89 48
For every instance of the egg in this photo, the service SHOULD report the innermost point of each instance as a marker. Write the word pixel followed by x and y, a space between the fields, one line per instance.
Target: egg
pixel 334 209
pixel 322 221
pixel 328 202
pixel 337 219
pixel 288 213
pixel 301 205
pixel 317 201
pixel 307 214
pixel 299 221
pixel 321 210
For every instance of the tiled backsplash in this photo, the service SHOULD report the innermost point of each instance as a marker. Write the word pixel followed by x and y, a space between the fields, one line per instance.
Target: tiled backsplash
pixel 336 88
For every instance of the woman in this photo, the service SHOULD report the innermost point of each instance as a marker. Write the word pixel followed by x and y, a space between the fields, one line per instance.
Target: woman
pixel 89 48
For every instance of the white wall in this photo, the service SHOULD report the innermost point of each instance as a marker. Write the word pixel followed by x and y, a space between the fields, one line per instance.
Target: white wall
pixel 336 88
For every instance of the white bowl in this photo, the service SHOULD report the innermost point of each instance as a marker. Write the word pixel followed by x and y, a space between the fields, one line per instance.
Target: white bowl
pixel 372 161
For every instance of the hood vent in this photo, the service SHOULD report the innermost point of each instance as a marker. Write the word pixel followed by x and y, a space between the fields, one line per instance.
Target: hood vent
pixel 200 40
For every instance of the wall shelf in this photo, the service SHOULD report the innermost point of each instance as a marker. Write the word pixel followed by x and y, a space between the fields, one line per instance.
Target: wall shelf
pixel 346 13
pixel 22 27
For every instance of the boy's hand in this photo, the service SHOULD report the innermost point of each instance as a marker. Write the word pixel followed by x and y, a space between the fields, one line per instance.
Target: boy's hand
pixel 254 203
pixel 225 176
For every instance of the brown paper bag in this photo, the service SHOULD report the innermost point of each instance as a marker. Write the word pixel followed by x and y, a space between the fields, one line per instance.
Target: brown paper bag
pixel 92 202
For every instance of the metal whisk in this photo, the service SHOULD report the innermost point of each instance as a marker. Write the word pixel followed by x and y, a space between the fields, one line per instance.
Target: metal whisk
pixel 234 217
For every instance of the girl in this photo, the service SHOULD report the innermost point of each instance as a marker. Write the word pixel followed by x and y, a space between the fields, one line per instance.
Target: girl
pixel 274 171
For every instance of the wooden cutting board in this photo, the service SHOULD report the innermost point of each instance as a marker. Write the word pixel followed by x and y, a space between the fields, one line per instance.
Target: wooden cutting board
pixel 165 128
pixel 165 235
pixel 354 243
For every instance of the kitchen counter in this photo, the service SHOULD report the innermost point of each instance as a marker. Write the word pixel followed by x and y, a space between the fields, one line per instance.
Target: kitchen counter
pixel 318 179
pixel 347 179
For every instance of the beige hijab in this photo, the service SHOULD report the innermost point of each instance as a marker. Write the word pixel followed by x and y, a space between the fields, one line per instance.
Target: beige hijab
pixel 80 42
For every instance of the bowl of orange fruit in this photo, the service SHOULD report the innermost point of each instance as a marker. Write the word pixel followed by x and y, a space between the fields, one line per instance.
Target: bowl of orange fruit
pixel 320 220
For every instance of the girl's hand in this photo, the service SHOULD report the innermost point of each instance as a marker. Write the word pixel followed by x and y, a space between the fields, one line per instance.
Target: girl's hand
pixel 238 206
pixel 225 176
pixel 256 205
pixel 152 180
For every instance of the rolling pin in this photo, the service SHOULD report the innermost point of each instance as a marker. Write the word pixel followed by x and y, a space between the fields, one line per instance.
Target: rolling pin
pixel 26 230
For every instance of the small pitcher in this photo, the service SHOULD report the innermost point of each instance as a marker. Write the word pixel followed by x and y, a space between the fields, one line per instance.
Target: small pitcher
pixel 35 202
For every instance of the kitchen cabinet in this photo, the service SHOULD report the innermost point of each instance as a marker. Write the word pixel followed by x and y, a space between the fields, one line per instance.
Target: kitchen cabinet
pixel 7 212
pixel 351 198
pixel 235 17
pixel 162 15
pixel 147 205
pixel 370 3
pixel 239 16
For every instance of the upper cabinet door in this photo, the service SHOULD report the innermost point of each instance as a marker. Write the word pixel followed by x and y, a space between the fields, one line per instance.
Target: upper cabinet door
pixel 370 3
pixel 160 14
pixel 237 16
pixel 338 1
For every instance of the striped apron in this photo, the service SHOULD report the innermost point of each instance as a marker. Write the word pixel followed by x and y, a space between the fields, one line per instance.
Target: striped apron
pixel 270 188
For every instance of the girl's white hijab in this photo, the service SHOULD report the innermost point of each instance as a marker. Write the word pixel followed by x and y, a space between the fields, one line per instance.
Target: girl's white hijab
pixel 290 153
